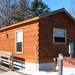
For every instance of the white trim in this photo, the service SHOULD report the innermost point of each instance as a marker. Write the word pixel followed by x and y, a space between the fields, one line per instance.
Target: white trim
pixel 59 36
pixel 16 41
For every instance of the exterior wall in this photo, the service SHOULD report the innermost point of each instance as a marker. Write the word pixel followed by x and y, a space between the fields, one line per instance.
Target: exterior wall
pixel 47 49
pixel 30 40
pixel 38 46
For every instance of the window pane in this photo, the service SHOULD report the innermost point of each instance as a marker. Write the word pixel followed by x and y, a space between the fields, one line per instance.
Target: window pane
pixel 19 46
pixel 19 36
pixel 59 39
pixel 59 32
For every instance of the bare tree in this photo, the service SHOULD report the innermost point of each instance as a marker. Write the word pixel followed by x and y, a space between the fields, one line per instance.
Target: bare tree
pixel 12 11
pixel 6 12
pixel 23 11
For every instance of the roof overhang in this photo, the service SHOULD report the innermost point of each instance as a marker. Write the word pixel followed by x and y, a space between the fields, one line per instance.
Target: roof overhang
pixel 37 18
pixel 20 23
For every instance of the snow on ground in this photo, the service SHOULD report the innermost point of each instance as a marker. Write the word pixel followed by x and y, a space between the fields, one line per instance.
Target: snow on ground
pixel 38 72
pixel 66 71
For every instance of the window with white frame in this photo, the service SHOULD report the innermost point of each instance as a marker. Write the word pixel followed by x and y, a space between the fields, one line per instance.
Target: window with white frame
pixel 59 35
pixel 19 38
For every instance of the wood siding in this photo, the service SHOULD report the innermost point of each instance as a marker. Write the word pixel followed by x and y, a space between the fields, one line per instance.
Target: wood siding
pixel 47 49
pixel 30 40
pixel 38 43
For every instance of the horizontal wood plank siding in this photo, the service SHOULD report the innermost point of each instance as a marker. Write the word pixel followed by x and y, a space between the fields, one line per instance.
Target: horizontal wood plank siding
pixel 30 40
pixel 47 49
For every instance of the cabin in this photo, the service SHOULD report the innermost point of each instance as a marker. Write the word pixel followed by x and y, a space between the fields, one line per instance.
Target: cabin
pixel 37 41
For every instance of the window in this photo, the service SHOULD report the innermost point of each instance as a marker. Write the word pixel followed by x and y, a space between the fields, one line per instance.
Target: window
pixel 59 35
pixel 19 36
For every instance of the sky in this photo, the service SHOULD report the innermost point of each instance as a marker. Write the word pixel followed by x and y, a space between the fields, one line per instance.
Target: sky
pixel 58 4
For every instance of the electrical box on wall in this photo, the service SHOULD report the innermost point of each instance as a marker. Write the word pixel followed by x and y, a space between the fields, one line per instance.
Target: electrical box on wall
pixel 71 48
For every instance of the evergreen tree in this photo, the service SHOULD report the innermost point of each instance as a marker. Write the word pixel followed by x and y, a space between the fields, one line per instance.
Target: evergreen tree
pixel 39 7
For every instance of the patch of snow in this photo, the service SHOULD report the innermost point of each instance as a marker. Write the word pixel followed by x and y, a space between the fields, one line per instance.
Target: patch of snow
pixel 66 71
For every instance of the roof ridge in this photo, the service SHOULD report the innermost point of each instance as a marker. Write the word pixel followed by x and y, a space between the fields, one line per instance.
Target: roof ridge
pixel 51 12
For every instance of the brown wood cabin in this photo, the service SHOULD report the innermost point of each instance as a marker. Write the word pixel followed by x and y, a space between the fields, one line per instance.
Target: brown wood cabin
pixel 38 40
